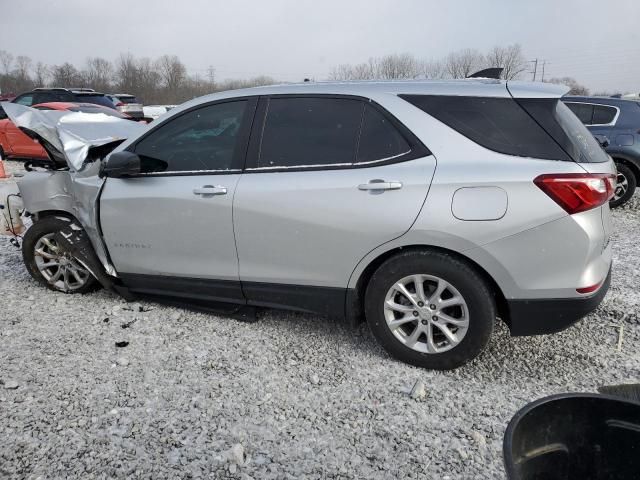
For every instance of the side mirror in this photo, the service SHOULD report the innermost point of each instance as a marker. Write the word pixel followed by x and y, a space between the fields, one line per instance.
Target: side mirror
pixel 121 164
pixel 602 140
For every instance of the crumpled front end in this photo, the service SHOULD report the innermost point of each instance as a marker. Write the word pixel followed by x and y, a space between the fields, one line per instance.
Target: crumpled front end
pixel 70 136
pixel 71 184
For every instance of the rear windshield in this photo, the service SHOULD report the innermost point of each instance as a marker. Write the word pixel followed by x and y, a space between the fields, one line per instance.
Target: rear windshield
pixel 97 99
pixel 128 99
pixel 107 111
pixel 565 128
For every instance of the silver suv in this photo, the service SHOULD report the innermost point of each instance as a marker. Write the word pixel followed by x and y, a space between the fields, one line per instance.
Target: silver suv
pixel 428 208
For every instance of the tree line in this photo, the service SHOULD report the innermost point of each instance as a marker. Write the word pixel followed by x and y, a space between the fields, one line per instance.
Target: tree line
pixel 165 80
pixel 458 64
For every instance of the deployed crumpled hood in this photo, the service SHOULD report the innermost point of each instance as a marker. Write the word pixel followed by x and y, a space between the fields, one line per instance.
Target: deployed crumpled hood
pixel 72 134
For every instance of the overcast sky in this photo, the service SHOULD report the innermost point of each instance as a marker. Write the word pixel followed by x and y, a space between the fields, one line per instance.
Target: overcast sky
pixel 596 42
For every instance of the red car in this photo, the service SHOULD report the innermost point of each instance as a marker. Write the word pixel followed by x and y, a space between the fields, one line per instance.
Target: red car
pixel 16 145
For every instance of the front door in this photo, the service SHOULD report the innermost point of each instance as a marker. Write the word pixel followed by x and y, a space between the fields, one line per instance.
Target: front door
pixel 170 229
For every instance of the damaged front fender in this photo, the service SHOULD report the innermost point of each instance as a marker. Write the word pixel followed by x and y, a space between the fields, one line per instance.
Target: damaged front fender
pixel 76 143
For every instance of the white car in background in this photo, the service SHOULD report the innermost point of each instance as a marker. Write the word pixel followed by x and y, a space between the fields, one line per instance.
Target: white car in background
pixel 127 104
pixel 152 112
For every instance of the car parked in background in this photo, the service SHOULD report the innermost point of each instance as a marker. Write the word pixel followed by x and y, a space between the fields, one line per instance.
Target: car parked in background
pixel 152 112
pixel 616 124
pixel 327 198
pixel 128 104
pixel 15 145
pixel 74 95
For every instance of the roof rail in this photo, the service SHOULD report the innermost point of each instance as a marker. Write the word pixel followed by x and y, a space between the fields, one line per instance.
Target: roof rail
pixel 81 89
pixel 52 88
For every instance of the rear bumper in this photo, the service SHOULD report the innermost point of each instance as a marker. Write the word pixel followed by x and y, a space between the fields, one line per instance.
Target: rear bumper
pixel 538 317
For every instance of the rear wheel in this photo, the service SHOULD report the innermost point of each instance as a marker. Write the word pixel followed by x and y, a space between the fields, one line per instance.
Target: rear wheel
pixel 52 265
pixel 625 186
pixel 430 309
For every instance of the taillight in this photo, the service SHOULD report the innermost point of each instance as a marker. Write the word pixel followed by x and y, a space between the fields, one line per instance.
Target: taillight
pixel 578 192
pixel 119 104
pixel 589 289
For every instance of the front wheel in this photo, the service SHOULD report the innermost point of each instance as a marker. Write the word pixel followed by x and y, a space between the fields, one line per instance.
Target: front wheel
pixel 430 309
pixel 625 186
pixel 50 264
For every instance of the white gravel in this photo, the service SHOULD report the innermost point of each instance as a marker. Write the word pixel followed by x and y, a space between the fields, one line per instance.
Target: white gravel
pixel 293 396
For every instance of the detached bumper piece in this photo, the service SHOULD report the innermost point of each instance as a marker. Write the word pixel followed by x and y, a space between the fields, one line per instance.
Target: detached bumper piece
pixel 539 317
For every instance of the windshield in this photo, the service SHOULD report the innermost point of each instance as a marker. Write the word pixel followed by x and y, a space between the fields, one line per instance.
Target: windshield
pixel 565 128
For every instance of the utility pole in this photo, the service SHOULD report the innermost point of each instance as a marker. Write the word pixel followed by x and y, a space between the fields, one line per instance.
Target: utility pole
pixel 544 62
pixel 211 74
pixel 535 68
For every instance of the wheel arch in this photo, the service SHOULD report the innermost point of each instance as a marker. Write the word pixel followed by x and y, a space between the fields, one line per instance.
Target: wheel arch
pixel 627 161
pixel 355 295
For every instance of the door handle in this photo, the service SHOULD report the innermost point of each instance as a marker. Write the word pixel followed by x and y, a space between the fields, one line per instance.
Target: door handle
pixel 210 190
pixel 377 185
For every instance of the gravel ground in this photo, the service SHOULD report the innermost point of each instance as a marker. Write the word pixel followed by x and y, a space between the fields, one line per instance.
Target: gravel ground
pixel 193 395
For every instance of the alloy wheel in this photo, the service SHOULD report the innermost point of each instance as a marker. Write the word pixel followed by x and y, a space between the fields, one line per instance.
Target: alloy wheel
pixel 426 313
pixel 58 267
pixel 622 185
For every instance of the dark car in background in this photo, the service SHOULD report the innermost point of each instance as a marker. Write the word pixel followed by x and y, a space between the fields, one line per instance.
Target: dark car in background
pixel 70 95
pixel 615 123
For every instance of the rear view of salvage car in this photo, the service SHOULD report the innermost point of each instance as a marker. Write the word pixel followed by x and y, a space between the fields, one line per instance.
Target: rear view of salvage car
pixel 427 208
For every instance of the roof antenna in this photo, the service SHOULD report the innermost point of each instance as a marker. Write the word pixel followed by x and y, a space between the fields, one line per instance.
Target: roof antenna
pixel 493 72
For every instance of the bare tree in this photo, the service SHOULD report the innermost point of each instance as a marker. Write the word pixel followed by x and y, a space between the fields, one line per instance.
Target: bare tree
pixel 398 66
pixel 341 72
pixel 23 66
pixel 463 63
pixel 98 73
pixel 509 58
pixel 41 74
pixel 434 69
pixel 6 60
pixel 65 75
pixel 148 81
pixel 575 87
pixel 126 73
pixel 173 74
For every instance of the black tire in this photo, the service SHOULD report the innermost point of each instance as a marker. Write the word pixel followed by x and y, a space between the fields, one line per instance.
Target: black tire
pixel 39 229
pixel 631 180
pixel 462 276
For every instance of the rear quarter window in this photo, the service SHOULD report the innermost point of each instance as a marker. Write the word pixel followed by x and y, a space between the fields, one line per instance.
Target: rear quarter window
pixel 603 115
pixel 499 124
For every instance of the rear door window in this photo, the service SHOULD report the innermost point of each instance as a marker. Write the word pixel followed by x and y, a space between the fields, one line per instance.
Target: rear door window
pixel 584 111
pixel 380 139
pixel 603 114
pixel 310 132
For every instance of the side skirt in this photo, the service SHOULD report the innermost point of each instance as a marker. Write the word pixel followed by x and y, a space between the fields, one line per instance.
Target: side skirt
pixel 228 297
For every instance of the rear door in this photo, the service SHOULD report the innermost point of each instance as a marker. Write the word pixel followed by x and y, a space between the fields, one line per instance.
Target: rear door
pixel 170 229
pixel 328 179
